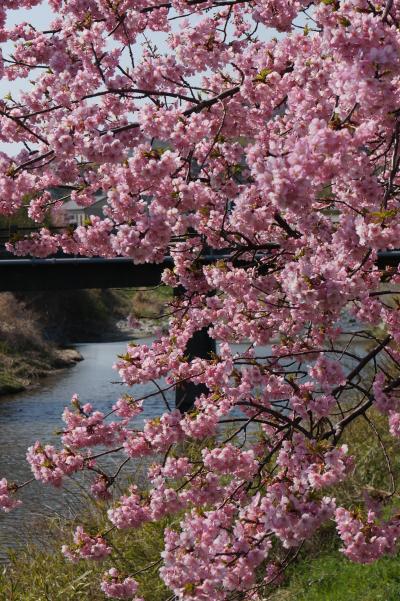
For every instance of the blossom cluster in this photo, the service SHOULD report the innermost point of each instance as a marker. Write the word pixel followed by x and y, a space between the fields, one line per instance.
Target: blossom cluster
pixel 117 587
pixel 51 466
pixel 7 501
pixel 86 546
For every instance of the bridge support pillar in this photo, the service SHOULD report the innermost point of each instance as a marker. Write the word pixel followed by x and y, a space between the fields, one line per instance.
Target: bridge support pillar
pixel 200 345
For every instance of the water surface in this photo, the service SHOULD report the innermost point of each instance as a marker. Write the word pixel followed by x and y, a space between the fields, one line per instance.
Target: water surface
pixel 36 415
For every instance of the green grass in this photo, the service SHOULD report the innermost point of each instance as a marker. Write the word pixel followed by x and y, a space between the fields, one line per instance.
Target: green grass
pixel 10 384
pixel 322 573
pixel 334 578
pixel 37 575
pixel 41 573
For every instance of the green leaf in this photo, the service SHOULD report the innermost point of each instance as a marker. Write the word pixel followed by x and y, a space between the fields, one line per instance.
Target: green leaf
pixel 262 75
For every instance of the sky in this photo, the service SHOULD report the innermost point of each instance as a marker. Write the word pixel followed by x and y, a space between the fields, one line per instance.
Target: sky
pixel 40 16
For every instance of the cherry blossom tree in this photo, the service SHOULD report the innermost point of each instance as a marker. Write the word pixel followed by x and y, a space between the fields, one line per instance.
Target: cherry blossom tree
pixel 281 154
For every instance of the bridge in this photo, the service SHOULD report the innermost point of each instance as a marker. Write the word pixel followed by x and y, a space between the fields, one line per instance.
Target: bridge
pixel 68 273
pixel 74 273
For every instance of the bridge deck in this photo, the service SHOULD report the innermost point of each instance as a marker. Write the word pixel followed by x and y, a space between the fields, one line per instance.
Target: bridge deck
pixel 78 273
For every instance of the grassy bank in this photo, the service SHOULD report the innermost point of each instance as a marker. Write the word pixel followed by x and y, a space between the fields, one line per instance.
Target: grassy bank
pixel 35 328
pixel 45 575
pixel 334 578
pixel 41 575
pixel 321 573
pixel 36 574
pixel 25 354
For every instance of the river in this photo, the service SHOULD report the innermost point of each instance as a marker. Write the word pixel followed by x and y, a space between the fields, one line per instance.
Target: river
pixel 36 415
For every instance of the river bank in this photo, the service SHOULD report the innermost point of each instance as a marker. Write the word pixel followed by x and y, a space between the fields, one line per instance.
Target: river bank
pixel 48 514
pixel 19 372
pixel 39 331
pixel 25 353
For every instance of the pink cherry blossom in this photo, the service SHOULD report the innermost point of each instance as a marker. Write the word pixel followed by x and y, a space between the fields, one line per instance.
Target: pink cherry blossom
pixel 86 547
pixel 7 500
pixel 86 427
pixel 366 539
pixel 51 466
pixel 129 512
pixel 118 587
pixel 261 172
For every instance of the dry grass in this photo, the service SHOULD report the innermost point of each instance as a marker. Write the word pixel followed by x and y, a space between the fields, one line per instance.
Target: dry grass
pixel 19 327
pixel 24 353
